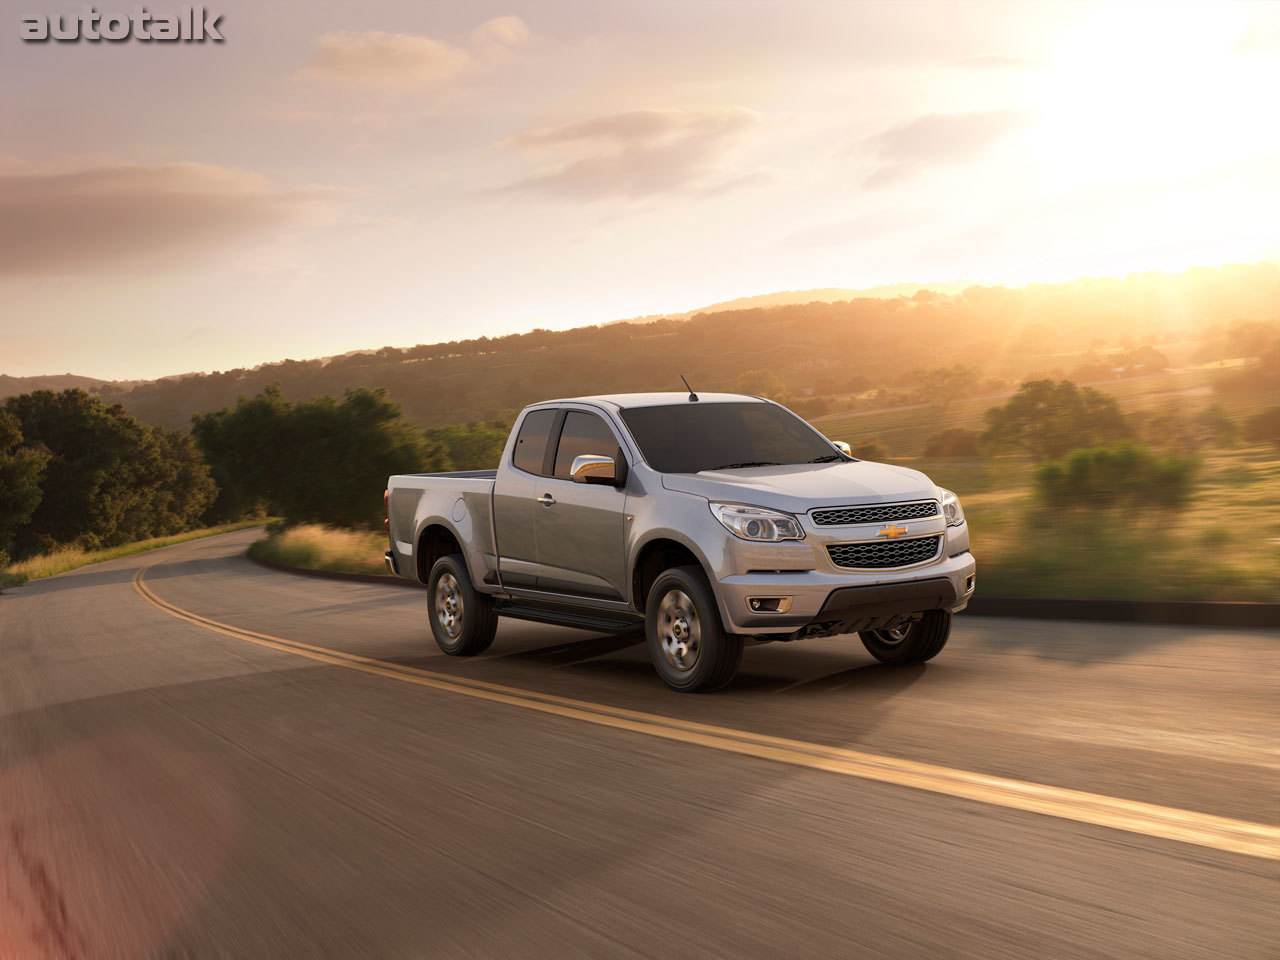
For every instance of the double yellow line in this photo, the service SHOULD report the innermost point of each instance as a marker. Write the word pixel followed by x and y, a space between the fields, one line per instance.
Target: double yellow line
pixel 1202 829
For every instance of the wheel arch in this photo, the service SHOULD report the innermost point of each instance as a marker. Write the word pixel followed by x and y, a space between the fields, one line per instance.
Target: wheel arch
pixel 437 539
pixel 660 552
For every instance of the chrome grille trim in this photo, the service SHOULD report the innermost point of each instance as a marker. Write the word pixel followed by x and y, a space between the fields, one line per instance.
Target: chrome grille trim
pixel 885 554
pixel 875 513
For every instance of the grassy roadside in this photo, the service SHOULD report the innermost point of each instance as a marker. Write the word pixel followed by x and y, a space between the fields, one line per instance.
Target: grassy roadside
pixel 315 547
pixel 1224 546
pixel 69 558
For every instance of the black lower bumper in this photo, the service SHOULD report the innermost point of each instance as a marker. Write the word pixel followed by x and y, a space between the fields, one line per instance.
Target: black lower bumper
pixel 851 609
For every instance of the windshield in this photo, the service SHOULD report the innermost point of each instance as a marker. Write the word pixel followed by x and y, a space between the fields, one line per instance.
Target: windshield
pixel 688 437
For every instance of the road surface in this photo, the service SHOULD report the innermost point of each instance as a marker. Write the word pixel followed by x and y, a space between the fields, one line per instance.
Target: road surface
pixel 203 758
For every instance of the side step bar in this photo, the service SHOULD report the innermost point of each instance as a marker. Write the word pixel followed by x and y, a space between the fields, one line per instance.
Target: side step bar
pixel 568 617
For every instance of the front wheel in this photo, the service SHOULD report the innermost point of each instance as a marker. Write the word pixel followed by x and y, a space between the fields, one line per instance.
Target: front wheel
pixel 687 643
pixel 463 621
pixel 912 642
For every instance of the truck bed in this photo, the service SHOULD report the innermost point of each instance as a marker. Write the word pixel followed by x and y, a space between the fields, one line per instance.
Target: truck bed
pixel 461 499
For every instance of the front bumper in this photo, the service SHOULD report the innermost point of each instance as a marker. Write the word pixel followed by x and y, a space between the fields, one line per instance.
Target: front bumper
pixel 827 603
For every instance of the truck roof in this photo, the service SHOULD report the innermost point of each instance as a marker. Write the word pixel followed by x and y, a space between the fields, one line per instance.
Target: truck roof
pixel 625 400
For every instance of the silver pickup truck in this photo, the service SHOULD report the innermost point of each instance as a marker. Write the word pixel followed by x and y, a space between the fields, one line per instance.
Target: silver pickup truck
pixel 711 521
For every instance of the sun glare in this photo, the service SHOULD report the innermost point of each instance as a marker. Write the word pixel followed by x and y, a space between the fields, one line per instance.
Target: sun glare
pixel 1154 113
pixel 1147 90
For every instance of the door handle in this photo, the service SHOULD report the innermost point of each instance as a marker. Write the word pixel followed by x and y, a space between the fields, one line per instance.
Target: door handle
pixel 546 499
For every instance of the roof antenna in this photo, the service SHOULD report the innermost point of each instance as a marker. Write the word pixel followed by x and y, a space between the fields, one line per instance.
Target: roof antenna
pixel 693 397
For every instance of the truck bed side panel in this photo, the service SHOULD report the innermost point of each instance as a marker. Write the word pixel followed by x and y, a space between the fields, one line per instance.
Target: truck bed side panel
pixel 458 502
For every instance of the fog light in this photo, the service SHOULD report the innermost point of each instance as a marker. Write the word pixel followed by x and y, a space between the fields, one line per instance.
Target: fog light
pixel 769 604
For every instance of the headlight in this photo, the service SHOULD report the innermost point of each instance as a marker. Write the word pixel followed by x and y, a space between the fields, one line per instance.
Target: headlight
pixel 757 523
pixel 951 508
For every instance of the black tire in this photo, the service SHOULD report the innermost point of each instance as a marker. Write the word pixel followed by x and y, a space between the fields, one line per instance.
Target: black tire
pixel 682 608
pixel 914 642
pixel 462 620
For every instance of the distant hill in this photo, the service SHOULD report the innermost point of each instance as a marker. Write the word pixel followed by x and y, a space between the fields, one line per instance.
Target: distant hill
pixel 783 298
pixel 823 295
pixel 827 342
pixel 11 386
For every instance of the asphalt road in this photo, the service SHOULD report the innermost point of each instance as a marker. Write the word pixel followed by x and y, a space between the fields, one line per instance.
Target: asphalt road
pixel 174 782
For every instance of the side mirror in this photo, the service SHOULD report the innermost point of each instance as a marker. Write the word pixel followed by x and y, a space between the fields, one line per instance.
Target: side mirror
pixel 590 468
pixel 843 447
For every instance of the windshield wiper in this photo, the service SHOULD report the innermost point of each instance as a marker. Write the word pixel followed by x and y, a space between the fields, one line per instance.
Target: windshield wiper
pixel 748 463
pixel 828 458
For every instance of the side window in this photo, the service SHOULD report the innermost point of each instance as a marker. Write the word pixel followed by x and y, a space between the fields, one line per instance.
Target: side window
pixel 531 444
pixel 583 433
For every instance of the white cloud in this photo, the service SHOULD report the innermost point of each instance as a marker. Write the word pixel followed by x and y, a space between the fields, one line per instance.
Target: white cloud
pixel 386 60
pixel 404 61
pixel 937 139
pixel 637 153
pixel 54 221
pixel 502 32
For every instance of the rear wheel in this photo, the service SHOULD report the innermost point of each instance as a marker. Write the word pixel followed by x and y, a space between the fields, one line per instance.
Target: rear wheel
pixel 915 641
pixel 463 621
pixel 687 643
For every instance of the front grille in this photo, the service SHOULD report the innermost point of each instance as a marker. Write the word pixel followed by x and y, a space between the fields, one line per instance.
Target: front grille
pixel 877 554
pixel 879 514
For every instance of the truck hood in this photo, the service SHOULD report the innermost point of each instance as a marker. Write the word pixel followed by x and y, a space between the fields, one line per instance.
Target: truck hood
pixel 798 487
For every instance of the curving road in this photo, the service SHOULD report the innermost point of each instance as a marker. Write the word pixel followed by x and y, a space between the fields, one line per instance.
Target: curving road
pixel 202 758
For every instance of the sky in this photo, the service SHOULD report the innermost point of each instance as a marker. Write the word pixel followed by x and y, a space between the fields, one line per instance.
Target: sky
pixel 338 176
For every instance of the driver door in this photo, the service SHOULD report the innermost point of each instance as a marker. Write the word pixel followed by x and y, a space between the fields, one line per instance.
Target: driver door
pixel 581 533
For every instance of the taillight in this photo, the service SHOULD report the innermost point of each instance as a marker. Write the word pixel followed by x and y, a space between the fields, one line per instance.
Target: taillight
pixel 386 506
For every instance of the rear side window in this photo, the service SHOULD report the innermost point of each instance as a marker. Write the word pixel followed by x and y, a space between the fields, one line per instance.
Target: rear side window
pixel 531 444
pixel 583 433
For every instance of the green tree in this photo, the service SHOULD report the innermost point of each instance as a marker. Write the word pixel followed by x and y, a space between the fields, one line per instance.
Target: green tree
pixel 943 386
pixel 315 461
pixel 1046 420
pixel 108 479
pixel 470 446
pixel 762 383
pixel 21 469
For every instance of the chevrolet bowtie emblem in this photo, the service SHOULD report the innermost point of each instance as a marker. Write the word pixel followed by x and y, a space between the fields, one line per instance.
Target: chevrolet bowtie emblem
pixel 891 531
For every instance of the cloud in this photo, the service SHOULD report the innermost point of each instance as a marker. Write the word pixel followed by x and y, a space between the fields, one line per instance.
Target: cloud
pixel 637 153
pixel 372 59
pixel 386 60
pixel 501 32
pixel 936 139
pixel 106 217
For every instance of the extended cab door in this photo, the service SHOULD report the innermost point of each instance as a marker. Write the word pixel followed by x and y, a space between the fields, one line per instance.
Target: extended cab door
pixel 513 504
pixel 581 527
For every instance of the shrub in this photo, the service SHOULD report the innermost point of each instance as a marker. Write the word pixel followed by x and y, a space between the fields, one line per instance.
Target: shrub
pixel 1217 428
pixel 809 407
pixel 1125 476
pixel 953 442
pixel 1264 427
pixel 871 449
